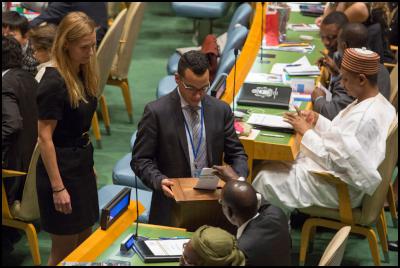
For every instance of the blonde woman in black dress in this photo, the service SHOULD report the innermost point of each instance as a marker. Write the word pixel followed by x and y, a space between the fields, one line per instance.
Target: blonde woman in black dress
pixel 66 182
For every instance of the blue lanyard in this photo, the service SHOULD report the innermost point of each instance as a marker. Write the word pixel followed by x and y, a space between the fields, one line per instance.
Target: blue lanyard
pixel 195 152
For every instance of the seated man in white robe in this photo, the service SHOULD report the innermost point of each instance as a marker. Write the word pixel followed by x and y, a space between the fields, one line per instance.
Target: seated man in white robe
pixel 351 146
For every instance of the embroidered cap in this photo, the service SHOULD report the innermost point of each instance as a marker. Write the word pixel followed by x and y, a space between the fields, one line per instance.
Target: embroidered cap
pixel 361 60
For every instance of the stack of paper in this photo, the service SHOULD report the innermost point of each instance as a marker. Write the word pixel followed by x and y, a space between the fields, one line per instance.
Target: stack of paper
pixel 299 67
pixel 268 120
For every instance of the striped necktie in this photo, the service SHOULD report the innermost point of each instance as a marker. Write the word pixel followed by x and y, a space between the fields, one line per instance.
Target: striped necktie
pixel 194 123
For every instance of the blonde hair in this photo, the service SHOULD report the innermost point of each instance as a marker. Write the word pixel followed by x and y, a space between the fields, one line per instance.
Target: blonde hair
pixel 74 26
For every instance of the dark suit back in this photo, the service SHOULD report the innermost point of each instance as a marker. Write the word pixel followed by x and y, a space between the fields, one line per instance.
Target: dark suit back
pixel 266 239
pixel 161 148
pixel 19 125
pixel 56 11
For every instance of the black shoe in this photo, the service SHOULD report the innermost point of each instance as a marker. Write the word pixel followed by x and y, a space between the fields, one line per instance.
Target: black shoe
pixel 393 246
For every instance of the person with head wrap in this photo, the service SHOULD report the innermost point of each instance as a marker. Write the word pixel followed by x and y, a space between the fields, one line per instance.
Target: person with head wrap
pixel 212 246
pixel 351 146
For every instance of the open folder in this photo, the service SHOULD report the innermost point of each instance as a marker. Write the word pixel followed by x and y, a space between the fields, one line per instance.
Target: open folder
pixel 271 122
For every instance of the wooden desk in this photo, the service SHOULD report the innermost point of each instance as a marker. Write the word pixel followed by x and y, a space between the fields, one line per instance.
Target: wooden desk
pixel 261 147
pixel 194 208
pixel 104 245
pixel 100 240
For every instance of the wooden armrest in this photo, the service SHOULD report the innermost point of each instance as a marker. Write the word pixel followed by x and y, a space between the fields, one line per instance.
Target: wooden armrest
pixel 6 173
pixel 345 210
pixel 390 65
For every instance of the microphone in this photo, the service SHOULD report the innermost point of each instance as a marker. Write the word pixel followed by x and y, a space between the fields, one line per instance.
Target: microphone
pixel 137 238
pixel 236 51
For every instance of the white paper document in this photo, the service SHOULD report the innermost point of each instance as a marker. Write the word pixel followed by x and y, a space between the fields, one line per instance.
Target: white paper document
pixel 301 66
pixel 207 182
pixel 328 94
pixel 168 247
pixel 268 121
pixel 302 70
pixel 263 78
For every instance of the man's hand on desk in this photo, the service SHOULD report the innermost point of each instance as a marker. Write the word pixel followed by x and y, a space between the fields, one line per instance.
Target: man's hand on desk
pixel 317 93
pixel 165 184
pixel 225 173
pixel 311 117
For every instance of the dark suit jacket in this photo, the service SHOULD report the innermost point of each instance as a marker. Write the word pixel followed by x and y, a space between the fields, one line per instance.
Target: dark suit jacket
pixel 56 11
pixel 19 126
pixel 266 240
pixel 161 147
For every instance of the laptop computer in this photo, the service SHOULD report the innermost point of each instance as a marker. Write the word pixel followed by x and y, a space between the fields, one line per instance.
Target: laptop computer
pixel 265 95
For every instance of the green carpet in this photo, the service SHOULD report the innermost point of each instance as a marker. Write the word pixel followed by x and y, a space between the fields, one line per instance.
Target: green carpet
pixel 160 34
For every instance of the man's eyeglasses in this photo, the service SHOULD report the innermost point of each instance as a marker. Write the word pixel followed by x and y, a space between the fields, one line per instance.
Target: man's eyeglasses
pixel 195 90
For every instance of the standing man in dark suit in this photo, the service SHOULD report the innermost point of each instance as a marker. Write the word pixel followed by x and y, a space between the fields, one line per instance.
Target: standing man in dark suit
pixel 56 11
pixel 263 231
pixel 183 132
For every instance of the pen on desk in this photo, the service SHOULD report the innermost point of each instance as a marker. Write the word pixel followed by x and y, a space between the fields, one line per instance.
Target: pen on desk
pixel 293 65
pixel 272 135
pixel 297 110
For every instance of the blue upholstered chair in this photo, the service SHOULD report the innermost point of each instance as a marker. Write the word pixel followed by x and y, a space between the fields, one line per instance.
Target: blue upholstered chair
pixel 241 16
pixel 226 63
pixel 166 85
pixel 123 174
pixel 202 13
pixel 133 138
pixel 108 192
pixel 200 10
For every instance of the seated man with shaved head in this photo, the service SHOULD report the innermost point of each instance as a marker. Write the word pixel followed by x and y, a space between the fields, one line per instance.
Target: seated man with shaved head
pixel 263 232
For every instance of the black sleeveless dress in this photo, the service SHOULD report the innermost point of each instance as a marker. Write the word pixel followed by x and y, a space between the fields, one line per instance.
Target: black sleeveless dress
pixel 74 158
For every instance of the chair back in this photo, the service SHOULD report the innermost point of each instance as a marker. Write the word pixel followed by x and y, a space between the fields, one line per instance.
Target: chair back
pixel 108 49
pixel 241 16
pixel 226 63
pixel 334 252
pixel 394 100
pixel 236 39
pixel 394 85
pixel 372 205
pixel 133 22
pixel 28 208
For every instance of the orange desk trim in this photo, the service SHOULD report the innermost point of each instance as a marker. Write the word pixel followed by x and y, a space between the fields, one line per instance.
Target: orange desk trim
pixel 100 240
pixel 246 58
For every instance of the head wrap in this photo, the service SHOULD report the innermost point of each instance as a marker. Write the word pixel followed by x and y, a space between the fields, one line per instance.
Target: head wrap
pixel 361 61
pixel 216 247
